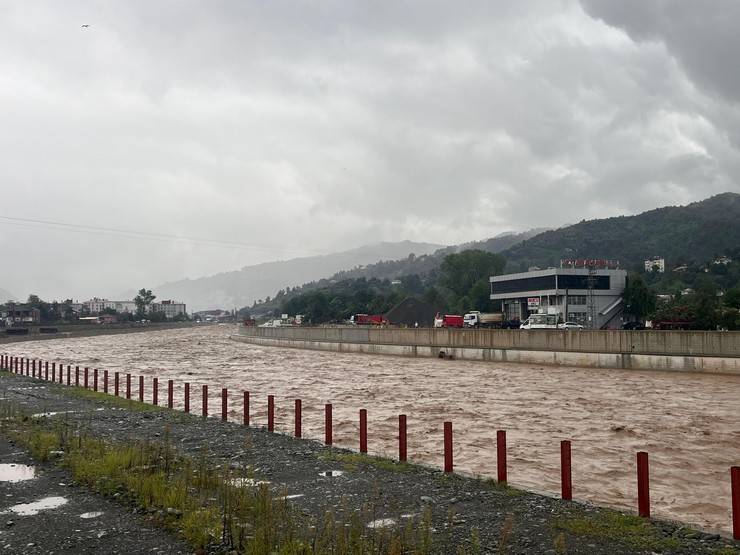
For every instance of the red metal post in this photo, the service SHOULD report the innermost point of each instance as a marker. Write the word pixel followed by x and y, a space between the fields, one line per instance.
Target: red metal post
pixel 116 383
pixel 246 408
pixel 141 389
pixel 298 417
pixel 46 370
pixel 128 386
pixel 735 479
pixel 224 404
pixel 33 368
pixel 270 413
pixel 77 375
pixel 95 379
pixel 566 484
pixel 448 446
pixel 53 371
pixel 187 397
pixel 402 437
pixel 155 391
pixel 61 368
pixel 205 401
pixel 170 393
pixel 327 424
pixel 85 377
pixel 501 455
pixel 363 431
pixel 69 370
pixel 643 485
pixel 105 381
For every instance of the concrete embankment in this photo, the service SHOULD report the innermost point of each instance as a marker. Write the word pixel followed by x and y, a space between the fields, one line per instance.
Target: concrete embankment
pixel 61 331
pixel 682 351
pixel 479 517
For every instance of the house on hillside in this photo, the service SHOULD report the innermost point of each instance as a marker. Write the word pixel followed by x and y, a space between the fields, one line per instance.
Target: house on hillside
pixel 18 314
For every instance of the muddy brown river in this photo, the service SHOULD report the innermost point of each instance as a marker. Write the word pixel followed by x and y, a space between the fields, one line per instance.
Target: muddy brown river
pixel 689 423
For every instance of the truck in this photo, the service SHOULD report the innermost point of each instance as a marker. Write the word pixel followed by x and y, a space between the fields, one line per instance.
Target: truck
pixel 368 320
pixel 478 319
pixel 540 322
pixel 448 321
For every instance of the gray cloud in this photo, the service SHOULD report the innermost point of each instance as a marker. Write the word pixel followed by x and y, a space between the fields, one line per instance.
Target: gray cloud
pixel 303 128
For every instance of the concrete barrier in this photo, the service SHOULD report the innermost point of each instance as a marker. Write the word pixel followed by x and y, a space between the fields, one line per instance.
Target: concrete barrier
pixel 702 351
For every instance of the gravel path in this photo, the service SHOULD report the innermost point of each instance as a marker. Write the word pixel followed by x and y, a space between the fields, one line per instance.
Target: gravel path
pixel 76 521
pixel 319 478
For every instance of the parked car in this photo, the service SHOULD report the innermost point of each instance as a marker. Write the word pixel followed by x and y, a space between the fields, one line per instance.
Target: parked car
pixel 633 326
pixel 570 326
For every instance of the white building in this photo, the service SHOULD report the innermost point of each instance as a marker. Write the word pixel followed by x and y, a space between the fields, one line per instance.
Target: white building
pixel 655 264
pixel 575 294
pixel 170 308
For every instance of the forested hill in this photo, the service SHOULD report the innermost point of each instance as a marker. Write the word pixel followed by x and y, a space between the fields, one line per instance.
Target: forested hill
pixel 680 234
pixel 428 264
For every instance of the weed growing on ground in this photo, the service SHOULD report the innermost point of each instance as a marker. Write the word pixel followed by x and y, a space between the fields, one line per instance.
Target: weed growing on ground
pixel 610 525
pixel 213 506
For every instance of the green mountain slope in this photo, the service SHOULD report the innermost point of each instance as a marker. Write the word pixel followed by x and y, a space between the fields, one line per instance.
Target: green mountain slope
pixel 680 234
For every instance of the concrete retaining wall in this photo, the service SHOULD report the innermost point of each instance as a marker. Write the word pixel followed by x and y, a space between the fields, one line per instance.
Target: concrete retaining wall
pixel 714 352
pixel 692 343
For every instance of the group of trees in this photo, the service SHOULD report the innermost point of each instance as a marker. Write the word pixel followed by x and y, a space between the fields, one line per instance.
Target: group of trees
pixel 705 306
pixel 459 284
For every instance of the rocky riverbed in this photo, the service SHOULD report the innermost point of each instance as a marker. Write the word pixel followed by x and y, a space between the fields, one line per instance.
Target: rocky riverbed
pixel 318 479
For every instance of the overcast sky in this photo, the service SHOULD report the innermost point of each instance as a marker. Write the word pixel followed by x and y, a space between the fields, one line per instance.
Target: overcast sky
pixel 297 127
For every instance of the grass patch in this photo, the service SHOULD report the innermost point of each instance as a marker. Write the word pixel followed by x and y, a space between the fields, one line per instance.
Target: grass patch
pixel 212 507
pixel 629 530
pixel 352 461
pixel 121 402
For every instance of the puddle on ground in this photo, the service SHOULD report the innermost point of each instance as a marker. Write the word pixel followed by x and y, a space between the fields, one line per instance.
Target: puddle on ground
pixel 16 472
pixel 31 509
pixel 93 514
pixel 331 473
pixel 247 482
pixel 381 523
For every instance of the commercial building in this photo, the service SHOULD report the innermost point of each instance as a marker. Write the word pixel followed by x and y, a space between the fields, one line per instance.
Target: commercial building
pixel 588 292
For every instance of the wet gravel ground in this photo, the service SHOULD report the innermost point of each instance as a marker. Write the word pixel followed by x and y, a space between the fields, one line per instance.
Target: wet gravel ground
pixel 307 471
pixel 83 523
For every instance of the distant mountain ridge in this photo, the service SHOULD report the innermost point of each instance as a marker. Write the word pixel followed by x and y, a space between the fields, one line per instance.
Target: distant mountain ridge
pixel 6 295
pixel 242 287
pixel 680 234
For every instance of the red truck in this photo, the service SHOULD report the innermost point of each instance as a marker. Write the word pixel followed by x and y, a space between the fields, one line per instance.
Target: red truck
pixel 368 320
pixel 448 321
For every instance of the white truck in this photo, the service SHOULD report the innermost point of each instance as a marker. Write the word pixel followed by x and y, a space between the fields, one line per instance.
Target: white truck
pixel 540 322
pixel 478 319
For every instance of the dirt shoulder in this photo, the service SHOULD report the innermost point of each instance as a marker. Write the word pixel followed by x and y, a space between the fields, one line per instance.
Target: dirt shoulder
pixel 463 512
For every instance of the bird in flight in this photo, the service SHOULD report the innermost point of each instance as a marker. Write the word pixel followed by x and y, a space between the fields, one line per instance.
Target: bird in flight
pixel 85 26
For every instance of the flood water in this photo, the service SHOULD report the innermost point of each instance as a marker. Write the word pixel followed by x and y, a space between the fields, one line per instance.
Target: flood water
pixel 689 423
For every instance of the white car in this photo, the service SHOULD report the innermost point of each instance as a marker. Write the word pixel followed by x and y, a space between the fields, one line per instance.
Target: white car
pixel 570 326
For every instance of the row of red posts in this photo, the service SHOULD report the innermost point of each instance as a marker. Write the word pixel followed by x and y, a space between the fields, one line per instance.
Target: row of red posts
pixel 33 368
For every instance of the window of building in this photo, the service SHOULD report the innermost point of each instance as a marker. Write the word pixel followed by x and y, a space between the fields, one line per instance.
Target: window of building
pixel 566 281
pixel 577 299
pixel 523 284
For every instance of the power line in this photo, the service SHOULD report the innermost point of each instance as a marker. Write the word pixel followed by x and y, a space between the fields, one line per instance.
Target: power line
pixel 134 234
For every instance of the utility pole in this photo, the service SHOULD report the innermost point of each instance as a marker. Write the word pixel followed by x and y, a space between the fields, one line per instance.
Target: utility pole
pixel 591 296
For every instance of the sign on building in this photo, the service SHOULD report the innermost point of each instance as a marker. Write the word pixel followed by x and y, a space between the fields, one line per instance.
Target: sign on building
pixel 533 303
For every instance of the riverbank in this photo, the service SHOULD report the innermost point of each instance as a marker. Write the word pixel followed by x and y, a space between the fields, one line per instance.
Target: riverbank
pixel 66 331
pixel 386 494
pixel 608 415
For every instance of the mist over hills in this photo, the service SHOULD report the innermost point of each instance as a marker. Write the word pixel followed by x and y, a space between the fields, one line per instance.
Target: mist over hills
pixel 6 295
pixel 242 287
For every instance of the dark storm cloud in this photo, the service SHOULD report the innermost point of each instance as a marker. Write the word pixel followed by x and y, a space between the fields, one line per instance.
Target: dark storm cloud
pixel 303 127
